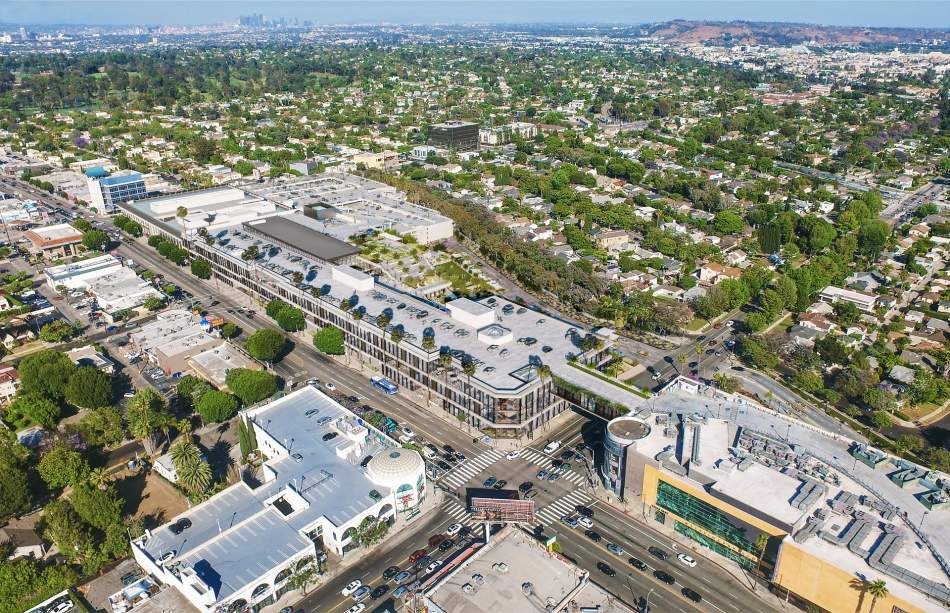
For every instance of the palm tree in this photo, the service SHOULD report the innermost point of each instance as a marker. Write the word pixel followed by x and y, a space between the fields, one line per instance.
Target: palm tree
pixel 194 474
pixel 877 589
pixel 99 477
pixel 382 320
pixel 345 305
pixel 760 543
pixel 396 335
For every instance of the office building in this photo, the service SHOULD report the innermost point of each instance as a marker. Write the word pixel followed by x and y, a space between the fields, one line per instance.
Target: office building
pixel 107 192
pixel 808 509
pixel 305 501
pixel 114 286
pixel 454 135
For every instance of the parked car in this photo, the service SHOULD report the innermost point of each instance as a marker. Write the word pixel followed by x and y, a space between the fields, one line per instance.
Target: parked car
pixel 402 576
pixel 390 572
pixel 435 539
pixel 500 484
pixel 415 556
pixel 433 566
pixel 400 591
pixel 379 591
pixel 357 608
pixel 180 526
pixel 446 545
pixel 530 494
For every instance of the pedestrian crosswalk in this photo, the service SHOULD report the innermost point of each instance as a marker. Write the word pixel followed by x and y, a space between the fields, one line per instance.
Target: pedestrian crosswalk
pixel 565 505
pixel 459 513
pixel 469 468
pixel 535 457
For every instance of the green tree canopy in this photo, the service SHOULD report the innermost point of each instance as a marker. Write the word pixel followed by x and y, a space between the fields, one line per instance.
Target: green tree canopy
pixel 215 406
pixel 31 408
pixel 251 386
pixel 329 340
pixel 46 372
pixel 145 413
pixel 89 388
pixel 201 268
pixel 57 331
pixel 95 240
pixel 190 390
pixel 100 508
pixel 265 344
pixel 15 493
pixel 62 466
pixel 102 427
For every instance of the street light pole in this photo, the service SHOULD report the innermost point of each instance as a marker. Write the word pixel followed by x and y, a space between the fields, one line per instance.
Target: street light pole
pixel 648 599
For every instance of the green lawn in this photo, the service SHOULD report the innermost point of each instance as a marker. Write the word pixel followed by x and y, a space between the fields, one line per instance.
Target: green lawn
pixel 697 324
pixel 462 281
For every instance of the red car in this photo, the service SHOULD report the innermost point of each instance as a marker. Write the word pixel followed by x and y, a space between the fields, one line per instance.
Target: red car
pixel 415 556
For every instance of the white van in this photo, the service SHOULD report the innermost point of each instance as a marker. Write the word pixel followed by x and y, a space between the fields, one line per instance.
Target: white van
pixel 552 447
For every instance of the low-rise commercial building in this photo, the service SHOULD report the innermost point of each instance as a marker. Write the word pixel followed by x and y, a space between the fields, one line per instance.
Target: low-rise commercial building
pixel 172 340
pixel 114 286
pixel 213 364
pixel 309 496
pixel 784 499
pixel 54 242
pixel 864 302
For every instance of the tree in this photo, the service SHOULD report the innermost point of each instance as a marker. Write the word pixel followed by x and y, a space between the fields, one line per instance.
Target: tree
pixel 215 407
pixel 371 531
pixel 726 383
pixel 102 427
pixel 31 408
pixel 808 380
pixel 181 212
pixel 230 330
pixel 62 466
pixel 46 372
pixel 831 351
pixel 878 590
pixel 26 582
pixel 382 320
pixel 100 508
pixel 95 240
pixel 265 344
pixel 728 222
pixel 15 493
pixel 190 389
pixel 57 331
pixel 290 319
pixel 251 253
pixel 329 340
pixel 153 303
pixel 879 399
pixel 928 388
pixel 872 237
pixel 303 577
pixel 89 388
pixel 63 526
pixel 193 472
pixel 251 386
pixel 756 351
pixel 881 420
pixel 145 413
pixel 201 268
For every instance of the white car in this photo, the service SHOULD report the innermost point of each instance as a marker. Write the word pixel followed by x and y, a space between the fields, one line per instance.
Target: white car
pixel 351 587
pixel 686 560
pixel 357 608
pixel 511 455
pixel 453 529
pixel 552 447
pixel 434 565
pixel 61 606
pixel 330 386
pixel 408 431
pixel 586 522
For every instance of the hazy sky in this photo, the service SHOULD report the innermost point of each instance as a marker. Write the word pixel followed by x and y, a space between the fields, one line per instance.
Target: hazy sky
pixel 896 13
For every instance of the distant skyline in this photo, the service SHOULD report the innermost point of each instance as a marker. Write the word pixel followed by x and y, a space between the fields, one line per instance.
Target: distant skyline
pixel 870 13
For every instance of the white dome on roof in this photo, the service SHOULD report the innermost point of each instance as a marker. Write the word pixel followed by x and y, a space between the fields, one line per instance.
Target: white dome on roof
pixel 395 467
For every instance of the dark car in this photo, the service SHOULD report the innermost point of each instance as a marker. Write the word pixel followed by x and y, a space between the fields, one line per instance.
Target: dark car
pixel 180 526
pixel 489 482
pixel 567 455
pixel 446 545
pixel 637 563
pixel 329 436
pixel 379 592
pixel 366 461
pixel 524 487
pixel 664 576
pixel 443 465
pixel 605 568
pixel 465 531
pixel 500 484
pixel 656 552
pixel 593 535
pixel 423 562
pixel 692 594
pixel 448 448
pixel 390 572
pixel 585 511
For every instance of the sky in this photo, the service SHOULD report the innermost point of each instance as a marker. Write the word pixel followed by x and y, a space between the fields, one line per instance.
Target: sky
pixel 872 13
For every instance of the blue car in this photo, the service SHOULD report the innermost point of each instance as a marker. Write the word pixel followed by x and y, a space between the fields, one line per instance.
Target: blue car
pixel 542 475
pixel 490 482
pixel 569 521
pixel 400 591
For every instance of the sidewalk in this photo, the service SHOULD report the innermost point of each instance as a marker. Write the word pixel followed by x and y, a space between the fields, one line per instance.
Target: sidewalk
pixel 400 531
